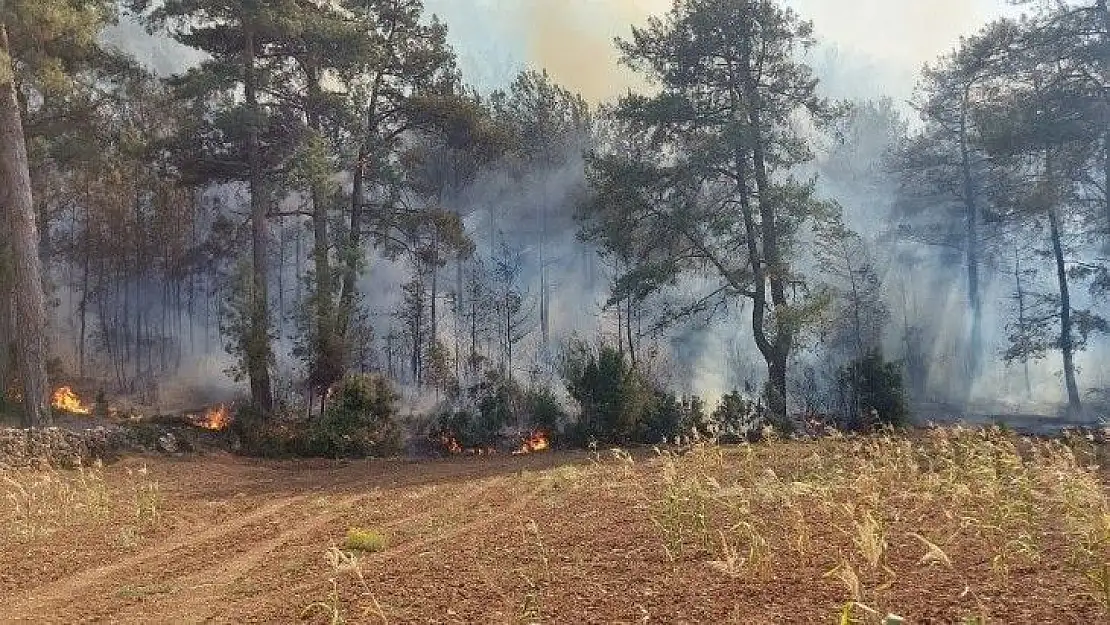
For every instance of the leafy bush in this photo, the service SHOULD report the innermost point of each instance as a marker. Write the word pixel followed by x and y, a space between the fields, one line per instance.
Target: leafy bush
pixel 488 407
pixel 544 411
pixel 614 396
pixel 738 417
pixel 670 416
pixel 360 420
pixel 490 410
pixel 873 394
pixel 263 436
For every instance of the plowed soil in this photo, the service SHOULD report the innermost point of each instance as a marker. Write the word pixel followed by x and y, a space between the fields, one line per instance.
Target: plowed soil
pixel 556 537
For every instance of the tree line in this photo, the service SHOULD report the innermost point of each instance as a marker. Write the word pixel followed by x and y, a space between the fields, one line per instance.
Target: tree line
pixel 244 201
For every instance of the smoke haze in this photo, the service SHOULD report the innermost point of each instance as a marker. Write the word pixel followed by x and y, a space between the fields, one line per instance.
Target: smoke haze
pixel 573 39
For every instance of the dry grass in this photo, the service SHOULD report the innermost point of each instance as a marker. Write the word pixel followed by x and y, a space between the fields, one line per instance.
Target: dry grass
pixel 952 526
pixel 983 495
pixel 42 503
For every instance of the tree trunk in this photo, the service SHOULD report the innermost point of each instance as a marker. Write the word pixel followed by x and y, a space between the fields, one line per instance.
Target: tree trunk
pixel 83 307
pixel 775 351
pixel 329 359
pixel 972 210
pixel 1104 16
pixel 628 331
pixel 257 347
pixel 353 253
pixel 1020 294
pixel 1067 347
pixel 28 302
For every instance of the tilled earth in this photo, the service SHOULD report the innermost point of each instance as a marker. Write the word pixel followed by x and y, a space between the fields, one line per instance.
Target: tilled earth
pixel 557 537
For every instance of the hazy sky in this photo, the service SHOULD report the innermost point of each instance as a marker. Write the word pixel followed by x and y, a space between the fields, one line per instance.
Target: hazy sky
pixel 886 40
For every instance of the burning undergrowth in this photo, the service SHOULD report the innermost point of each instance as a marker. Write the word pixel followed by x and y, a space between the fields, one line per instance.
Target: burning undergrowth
pixel 446 443
pixel 495 416
pixel 67 402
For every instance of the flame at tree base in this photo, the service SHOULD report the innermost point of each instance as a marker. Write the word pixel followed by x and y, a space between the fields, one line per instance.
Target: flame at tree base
pixel 66 400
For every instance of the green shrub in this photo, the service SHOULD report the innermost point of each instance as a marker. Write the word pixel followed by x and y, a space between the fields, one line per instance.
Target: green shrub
pixel 737 417
pixel 614 397
pixel 360 420
pixel 491 408
pixel 873 394
pixel 369 541
pixel 662 421
pixel 544 411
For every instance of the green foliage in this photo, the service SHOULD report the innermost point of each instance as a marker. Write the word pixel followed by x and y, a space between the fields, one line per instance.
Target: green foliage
pixel 360 420
pixel 613 396
pixel 737 417
pixel 487 409
pixel 711 153
pixel 873 393
pixel 370 541
pixel 236 323
pixel 544 411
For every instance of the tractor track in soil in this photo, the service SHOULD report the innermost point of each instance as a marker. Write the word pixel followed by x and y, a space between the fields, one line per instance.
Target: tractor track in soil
pixel 244 541
pixel 202 595
pixel 192 578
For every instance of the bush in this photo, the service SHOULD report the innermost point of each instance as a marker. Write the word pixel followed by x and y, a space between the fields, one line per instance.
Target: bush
pixel 873 394
pixel 369 541
pixel 738 418
pixel 263 436
pixel 492 409
pixel 662 422
pixel 359 421
pixel 614 396
pixel 544 411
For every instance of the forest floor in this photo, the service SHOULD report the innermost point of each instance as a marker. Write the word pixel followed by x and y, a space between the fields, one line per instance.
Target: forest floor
pixel 945 527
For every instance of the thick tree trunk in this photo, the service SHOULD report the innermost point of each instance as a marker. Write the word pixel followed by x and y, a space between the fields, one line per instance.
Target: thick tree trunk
pixel 775 351
pixel 28 302
pixel 1067 347
pixel 83 307
pixel 257 345
pixel 1020 295
pixel 329 360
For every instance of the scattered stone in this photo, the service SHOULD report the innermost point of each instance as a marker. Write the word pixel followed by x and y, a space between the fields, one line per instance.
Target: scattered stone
pixel 167 443
pixel 68 449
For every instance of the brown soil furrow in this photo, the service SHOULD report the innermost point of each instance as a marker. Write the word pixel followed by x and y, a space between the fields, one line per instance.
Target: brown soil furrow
pixel 198 595
pixel 412 546
pixel 63 591
pixel 417 544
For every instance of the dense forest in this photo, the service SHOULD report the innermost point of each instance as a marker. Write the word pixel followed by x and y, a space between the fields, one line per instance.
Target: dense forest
pixel 323 193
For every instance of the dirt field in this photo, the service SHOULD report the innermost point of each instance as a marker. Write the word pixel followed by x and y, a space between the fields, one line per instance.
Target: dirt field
pixel 779 533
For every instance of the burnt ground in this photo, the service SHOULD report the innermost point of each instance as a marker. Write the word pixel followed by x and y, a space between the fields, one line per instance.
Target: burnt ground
pixel 557 537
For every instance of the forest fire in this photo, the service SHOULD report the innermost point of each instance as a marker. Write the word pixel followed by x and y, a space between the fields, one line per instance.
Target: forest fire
pixel 536 441
pixel 450 445
pixel 215 418
pixel 66 400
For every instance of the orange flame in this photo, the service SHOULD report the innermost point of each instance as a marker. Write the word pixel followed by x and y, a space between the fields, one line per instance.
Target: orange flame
pixel 536 441
pixel 66 400
pixel 451 445
pixel 215 418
